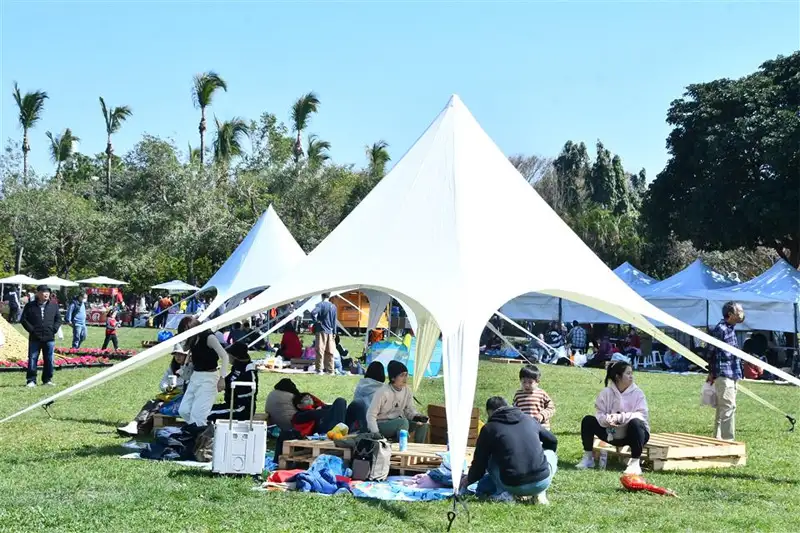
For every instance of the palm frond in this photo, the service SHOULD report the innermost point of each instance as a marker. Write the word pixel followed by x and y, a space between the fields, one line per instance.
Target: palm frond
pixel 205 85
pixel 62 146
pixel 302 110
pixel 30 106
pixel 229 140
pixel 317 150
pixel 119 115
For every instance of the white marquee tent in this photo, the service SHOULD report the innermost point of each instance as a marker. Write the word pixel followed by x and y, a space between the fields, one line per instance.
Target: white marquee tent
pixel 102 280
pixel 454 185
pixel 19 279
pixel 267 252
pixel 175 286
pixel 56 282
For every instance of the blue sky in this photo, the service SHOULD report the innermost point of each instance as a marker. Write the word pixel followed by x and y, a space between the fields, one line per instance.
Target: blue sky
pixel 534 74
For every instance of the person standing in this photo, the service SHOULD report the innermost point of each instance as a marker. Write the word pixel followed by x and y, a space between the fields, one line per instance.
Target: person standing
pixel 577 339
pixel 76 315
pixel 726 371
pixel 112 325
pixel 13 306
pixel 41 319
pixel 324 331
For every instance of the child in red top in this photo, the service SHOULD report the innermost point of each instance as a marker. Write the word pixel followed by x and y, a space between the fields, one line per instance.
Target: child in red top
pixel 111 330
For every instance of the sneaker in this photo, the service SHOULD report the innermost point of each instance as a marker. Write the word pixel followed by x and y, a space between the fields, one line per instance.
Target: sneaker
pixel 320 372
pixel 634 467
pixel 586 462
pixel 129 430
pixel 503 497
pixel 30 384
pixel 50 384
pixel 541 499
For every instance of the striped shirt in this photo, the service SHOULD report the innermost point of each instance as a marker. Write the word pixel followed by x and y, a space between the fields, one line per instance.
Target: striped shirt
pixel 536 404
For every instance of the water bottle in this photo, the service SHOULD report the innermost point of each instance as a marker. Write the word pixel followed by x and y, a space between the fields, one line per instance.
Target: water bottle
pixel 403 434
pixel 603 460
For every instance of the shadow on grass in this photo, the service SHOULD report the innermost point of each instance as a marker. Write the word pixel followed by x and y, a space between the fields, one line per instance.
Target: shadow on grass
pixel 92 421
pixel 111 450
pixel 392 508
pixel 717 474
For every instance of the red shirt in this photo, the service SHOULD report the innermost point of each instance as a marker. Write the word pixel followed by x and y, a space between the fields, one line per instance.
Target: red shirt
pixel 634 341
pixel 111 326
pixel 291 347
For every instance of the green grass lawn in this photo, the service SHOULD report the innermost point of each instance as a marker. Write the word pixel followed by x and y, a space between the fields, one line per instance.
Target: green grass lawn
pixel 64 474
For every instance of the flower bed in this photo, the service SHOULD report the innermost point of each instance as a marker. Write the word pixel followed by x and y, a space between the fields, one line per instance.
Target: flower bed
pixel 59 362
pixel 109 353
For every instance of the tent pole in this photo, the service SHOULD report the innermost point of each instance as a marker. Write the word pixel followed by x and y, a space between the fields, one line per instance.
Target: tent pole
pixel 796 361
pixel 560 312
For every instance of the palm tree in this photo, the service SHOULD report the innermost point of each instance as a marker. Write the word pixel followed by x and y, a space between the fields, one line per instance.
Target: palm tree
pixel 30 112
pixel 194 154
pixel 317 150
pixel 301 115
pixel 205 85
pixel 61 149
pixel 114 118
pixel 377 157
pixel 229 139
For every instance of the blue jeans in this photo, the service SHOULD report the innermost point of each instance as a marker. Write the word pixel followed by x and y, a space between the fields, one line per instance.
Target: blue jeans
pixel 78 335
pixel 491 484
pixel 47 348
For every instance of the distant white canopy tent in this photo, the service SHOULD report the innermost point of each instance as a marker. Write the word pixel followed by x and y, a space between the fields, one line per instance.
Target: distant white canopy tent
pixel 770 300
pixel 175 286
pixel 54 282
pixel 102 280
pixel 685 295
pixel 266 254
pixel 19 279
pixel 454 184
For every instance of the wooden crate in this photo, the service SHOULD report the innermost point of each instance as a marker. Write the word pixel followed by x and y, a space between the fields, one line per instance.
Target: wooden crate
pixel 437 415
pixel 300 363
pixel 161 421
pixel 418 458
pixel 682 451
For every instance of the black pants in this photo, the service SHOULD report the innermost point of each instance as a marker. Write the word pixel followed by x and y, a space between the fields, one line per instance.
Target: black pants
pixel 13 313
pixel 356 417
pixel 636 435
pixel 114 341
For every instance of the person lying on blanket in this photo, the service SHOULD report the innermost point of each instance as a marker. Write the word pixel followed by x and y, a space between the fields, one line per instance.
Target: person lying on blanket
pixel 314 416
pixel 242 370
pixel 172 385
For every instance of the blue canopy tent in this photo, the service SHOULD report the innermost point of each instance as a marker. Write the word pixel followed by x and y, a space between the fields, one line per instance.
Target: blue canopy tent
pixel 770 300
pixel 386 351
pixel 685 295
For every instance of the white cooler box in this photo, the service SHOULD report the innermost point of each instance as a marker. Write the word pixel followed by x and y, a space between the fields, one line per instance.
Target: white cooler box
pixel 239 447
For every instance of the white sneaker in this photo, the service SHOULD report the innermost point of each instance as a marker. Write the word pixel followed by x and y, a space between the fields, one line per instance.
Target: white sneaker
pixel 320 372
pixel 541 499
pixel 587 461
pixel 130 430
pixel 30 384
pixel 634 467
pixel 50 384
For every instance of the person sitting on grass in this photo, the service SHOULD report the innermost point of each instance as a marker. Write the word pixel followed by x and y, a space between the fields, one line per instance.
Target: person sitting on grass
pixel 242 370
pixel 172 386
pixel 621 419
pixel 392 407
pixel 514 455
pixel 291 346
pixel 373 380
pixel 532 400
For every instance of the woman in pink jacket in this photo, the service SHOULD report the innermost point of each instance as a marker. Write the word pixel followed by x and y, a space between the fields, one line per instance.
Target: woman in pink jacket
pixel 622 418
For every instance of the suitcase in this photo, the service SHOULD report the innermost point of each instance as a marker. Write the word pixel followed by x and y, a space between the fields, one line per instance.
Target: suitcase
pixel 239 446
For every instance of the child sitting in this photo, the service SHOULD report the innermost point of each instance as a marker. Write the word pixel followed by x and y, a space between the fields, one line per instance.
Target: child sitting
pixel 314 416
pixel 532 400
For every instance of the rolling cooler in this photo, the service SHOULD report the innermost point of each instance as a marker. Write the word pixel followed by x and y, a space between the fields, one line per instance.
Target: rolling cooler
pixel 239 446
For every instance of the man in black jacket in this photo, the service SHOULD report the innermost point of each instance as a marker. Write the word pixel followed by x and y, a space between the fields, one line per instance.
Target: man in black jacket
pixel 41 319
pixel 517 455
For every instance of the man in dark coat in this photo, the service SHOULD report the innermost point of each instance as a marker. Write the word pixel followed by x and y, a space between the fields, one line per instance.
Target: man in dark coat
pixel 42 320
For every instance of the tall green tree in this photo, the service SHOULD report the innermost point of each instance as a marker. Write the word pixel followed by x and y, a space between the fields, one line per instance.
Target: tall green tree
pixel 203 90
pixel 318 151
pixel 229 140
pixel 734 168
pixel 603 179
pixel 377 159
pixel 114 118
pixel 572 168
pixel 622 194
pixel 302 110
pixel 30 107
pixel 61 150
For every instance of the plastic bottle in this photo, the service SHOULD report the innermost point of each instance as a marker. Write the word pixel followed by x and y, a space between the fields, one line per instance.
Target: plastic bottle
pixel 403 438
pixel 603 460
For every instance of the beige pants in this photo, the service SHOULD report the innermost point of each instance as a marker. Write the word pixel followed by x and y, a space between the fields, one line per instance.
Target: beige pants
pixel 726 408
pixel 325 345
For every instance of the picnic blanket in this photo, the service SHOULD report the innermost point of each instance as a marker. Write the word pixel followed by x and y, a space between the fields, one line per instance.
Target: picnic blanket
pixel 189 464
pixel 397 488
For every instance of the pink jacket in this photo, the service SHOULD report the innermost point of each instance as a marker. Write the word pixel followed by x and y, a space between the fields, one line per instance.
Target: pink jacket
pixel 625 406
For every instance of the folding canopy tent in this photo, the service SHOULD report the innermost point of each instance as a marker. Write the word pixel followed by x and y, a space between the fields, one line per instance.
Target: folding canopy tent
pixel 453 184
pixel 19 279
pixel 267 252
pixel 55 281
pixel 685 294
pixel 175 286
pixel 102 280
pixel 770 299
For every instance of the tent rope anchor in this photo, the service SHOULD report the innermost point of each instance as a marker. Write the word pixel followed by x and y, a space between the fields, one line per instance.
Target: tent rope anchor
pixel 453 514
pixel 46 406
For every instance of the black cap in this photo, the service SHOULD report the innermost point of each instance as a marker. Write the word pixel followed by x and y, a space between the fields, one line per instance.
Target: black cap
pixel 395 368
pixel 239 351
pixel 43 288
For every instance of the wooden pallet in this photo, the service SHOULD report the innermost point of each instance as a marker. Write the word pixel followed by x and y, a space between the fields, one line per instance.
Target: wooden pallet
pixel 300 363
pixel 507 360
pixel 681 451
pixel 437 431
pixel 160 421
pixel 418 458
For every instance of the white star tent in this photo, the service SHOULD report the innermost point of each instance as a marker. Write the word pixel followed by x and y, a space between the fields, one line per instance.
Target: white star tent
pixel 175 286
pixel 102 280
pixel 454 185
pixel 19 279
pixel 267 253
pixel 56 282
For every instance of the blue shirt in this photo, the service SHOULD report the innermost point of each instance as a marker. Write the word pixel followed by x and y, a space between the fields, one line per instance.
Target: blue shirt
pixel 577 337
pixel 725 364
pixel 324 317
pixel 76 314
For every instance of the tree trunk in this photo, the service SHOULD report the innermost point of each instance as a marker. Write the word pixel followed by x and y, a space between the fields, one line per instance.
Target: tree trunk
pixel 18 259
pixel 109 151
pixel 26 147
pixel 794 252
pixel 202 129
pixel 190 270
pixel 58 175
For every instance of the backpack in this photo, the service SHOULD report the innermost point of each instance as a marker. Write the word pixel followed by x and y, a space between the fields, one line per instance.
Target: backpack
pixel 371 459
